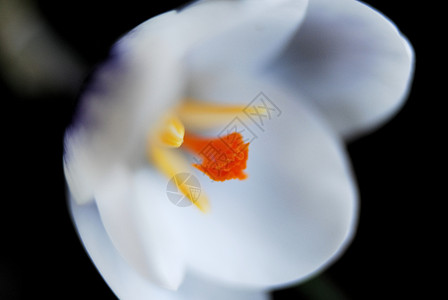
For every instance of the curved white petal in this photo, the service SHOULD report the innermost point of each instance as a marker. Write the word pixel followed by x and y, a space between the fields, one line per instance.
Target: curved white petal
pixel 199 288
pixel 245 47
pixel 128 94
pixel 351 61
pixel 294 214
pixel 126 283
pixel 142 225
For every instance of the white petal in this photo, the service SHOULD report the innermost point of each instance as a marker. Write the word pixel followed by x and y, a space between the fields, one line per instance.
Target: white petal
pixel 351 61
pixel 294 214
pixel 128 94
pixel 126 283
pixel 247 46
pixel 199 288
pixel 141 224
pixel 123 280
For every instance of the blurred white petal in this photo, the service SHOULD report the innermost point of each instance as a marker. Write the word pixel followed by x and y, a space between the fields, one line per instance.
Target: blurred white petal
pixel 294 214
pixel 246 47
pixel 126 282
pixel 351 61
pixel 142 226
pixel 129 93
pixel 199 288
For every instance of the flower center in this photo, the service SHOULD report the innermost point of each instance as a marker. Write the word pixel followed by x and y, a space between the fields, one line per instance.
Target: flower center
pixel 223 158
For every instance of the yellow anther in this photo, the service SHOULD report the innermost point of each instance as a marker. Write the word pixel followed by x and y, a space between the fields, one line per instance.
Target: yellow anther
pixel 171 133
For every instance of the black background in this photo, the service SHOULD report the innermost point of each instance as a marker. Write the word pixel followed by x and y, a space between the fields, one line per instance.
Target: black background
pixel 41 255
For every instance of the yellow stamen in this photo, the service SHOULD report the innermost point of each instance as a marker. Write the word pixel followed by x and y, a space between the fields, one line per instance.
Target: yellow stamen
pixel 202 115
pixel 171 133
pixel 171 162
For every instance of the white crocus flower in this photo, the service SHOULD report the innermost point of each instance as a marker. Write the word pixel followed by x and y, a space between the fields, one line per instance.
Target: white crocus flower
pixel 331 69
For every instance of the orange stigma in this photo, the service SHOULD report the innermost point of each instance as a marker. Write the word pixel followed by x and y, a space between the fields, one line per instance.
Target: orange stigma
pixel 223 158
